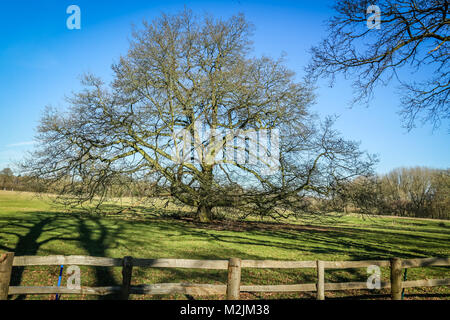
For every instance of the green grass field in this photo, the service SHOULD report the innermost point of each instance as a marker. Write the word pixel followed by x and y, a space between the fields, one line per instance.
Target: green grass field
pixel 33 226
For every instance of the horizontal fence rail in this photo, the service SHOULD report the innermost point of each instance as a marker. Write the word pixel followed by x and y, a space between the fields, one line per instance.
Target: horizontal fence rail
pixel 213 289
pixel 233 287
pixel 23 261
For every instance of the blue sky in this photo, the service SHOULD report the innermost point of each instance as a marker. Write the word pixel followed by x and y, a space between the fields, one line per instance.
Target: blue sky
pixel 41 61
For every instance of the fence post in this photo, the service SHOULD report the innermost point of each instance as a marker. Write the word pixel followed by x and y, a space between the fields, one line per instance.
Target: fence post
pixel 320 280
pixel 127 268
pixel 396 279
pixel 6 262
pixel 234 279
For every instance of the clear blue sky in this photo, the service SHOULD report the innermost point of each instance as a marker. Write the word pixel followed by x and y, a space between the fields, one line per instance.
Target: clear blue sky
pixel 41 61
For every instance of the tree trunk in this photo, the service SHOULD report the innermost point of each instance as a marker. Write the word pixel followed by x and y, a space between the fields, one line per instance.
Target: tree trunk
pixel 204 213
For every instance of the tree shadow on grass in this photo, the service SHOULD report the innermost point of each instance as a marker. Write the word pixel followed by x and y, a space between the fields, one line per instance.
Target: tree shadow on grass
pixel 33 232
pixel 357 244
pixel 27 233
pixel 97 246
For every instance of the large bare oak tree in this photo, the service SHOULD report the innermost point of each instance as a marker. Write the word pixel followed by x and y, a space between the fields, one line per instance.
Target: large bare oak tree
pixel 182 73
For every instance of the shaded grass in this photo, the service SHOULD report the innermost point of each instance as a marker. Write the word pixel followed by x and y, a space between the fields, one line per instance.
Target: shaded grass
pixel 32 226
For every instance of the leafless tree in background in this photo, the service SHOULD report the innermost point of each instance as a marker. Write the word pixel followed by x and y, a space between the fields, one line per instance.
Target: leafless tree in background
pixel 414 192
pixel 6 179
pixel 412 33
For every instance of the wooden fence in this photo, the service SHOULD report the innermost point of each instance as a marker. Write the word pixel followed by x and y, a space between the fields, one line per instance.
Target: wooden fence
pixel 232 288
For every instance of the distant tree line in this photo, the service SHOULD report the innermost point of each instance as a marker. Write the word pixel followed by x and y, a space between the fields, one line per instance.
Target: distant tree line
pixel 7 179
pixel 409 192
pixel 11 182
pixel 117 186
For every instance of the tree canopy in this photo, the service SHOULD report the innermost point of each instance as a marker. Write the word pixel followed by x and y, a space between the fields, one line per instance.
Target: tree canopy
pixel 410 33
pixel 193 115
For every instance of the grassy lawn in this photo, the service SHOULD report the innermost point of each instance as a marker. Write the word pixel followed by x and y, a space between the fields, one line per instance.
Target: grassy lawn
pixel 33 226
